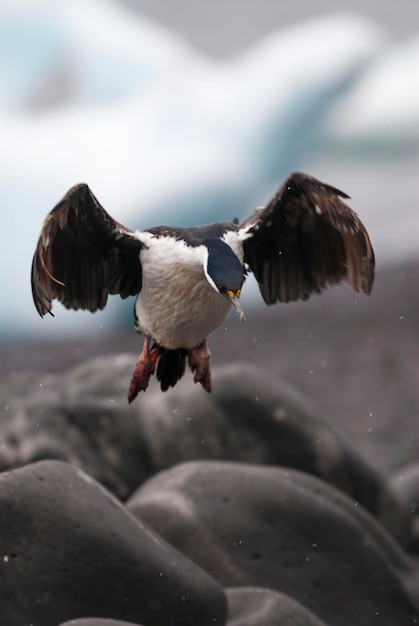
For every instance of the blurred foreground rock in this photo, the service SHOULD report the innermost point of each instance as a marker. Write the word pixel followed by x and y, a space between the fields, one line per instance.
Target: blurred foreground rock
pixel 69 549
pixel 247 606
pixel 254 606
pixel 216 528
pixel 82 417
pixel 97 621
pixel 281 529
pixel 286 547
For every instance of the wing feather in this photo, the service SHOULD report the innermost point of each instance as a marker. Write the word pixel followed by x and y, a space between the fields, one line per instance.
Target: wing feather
pixel 83 255
pixel 306 239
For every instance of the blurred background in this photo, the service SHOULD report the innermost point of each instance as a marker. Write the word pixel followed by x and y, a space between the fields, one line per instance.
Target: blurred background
pixel 190 112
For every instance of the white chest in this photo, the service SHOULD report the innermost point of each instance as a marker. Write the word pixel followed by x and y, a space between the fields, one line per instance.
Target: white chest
pixel 177 306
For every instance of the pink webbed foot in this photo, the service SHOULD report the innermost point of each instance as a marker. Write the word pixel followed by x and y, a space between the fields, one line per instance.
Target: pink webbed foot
pixel 199 359
pixel 144 369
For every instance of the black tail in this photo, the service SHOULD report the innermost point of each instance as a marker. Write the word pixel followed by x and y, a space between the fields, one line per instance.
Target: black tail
pixel 170 367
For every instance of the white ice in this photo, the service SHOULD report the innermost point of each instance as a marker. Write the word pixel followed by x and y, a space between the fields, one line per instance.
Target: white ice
pixel 90 91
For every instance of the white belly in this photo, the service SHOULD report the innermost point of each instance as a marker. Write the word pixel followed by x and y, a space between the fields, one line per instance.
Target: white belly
pixel 177 306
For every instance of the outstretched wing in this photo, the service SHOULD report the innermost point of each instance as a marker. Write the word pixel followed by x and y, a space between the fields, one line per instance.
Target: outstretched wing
pixel 305 239
pixel 83 255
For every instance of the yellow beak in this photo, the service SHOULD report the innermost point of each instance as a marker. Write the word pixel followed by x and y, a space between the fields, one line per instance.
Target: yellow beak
pixel 234 298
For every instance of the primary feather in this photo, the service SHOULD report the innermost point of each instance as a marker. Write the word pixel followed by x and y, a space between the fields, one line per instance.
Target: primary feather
pixel 83 255
pixel 305 239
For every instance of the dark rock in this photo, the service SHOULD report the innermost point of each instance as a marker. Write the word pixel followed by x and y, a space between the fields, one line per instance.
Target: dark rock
pixel 253 606
pixel 82 416
pixel 285 530
pixel 252 418
pixel 97 621
pixel 69 549
pixel 405 482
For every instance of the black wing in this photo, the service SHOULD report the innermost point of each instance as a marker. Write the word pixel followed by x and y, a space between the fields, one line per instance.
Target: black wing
pixel 83 255
pixel 305 239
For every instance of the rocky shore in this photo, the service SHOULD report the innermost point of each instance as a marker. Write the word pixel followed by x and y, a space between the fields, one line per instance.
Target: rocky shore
pixel 287 496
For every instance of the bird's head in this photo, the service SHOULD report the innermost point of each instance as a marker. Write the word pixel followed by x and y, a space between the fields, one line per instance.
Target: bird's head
pixel 224 272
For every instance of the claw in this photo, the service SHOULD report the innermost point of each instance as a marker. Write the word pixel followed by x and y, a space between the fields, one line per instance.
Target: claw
pixel 144 369
pixel 199 359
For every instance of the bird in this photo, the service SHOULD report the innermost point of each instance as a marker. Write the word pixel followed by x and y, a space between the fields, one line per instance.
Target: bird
pixel 186 279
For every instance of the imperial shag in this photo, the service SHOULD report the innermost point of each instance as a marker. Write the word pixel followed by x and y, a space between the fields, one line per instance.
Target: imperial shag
pixel 186 279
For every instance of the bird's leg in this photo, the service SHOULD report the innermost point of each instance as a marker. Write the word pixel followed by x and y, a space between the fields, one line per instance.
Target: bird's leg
pixel 199 361
pixel 144 369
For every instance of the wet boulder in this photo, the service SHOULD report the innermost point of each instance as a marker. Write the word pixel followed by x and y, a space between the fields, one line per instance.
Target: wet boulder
pixel 69 549
pixel 250 525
